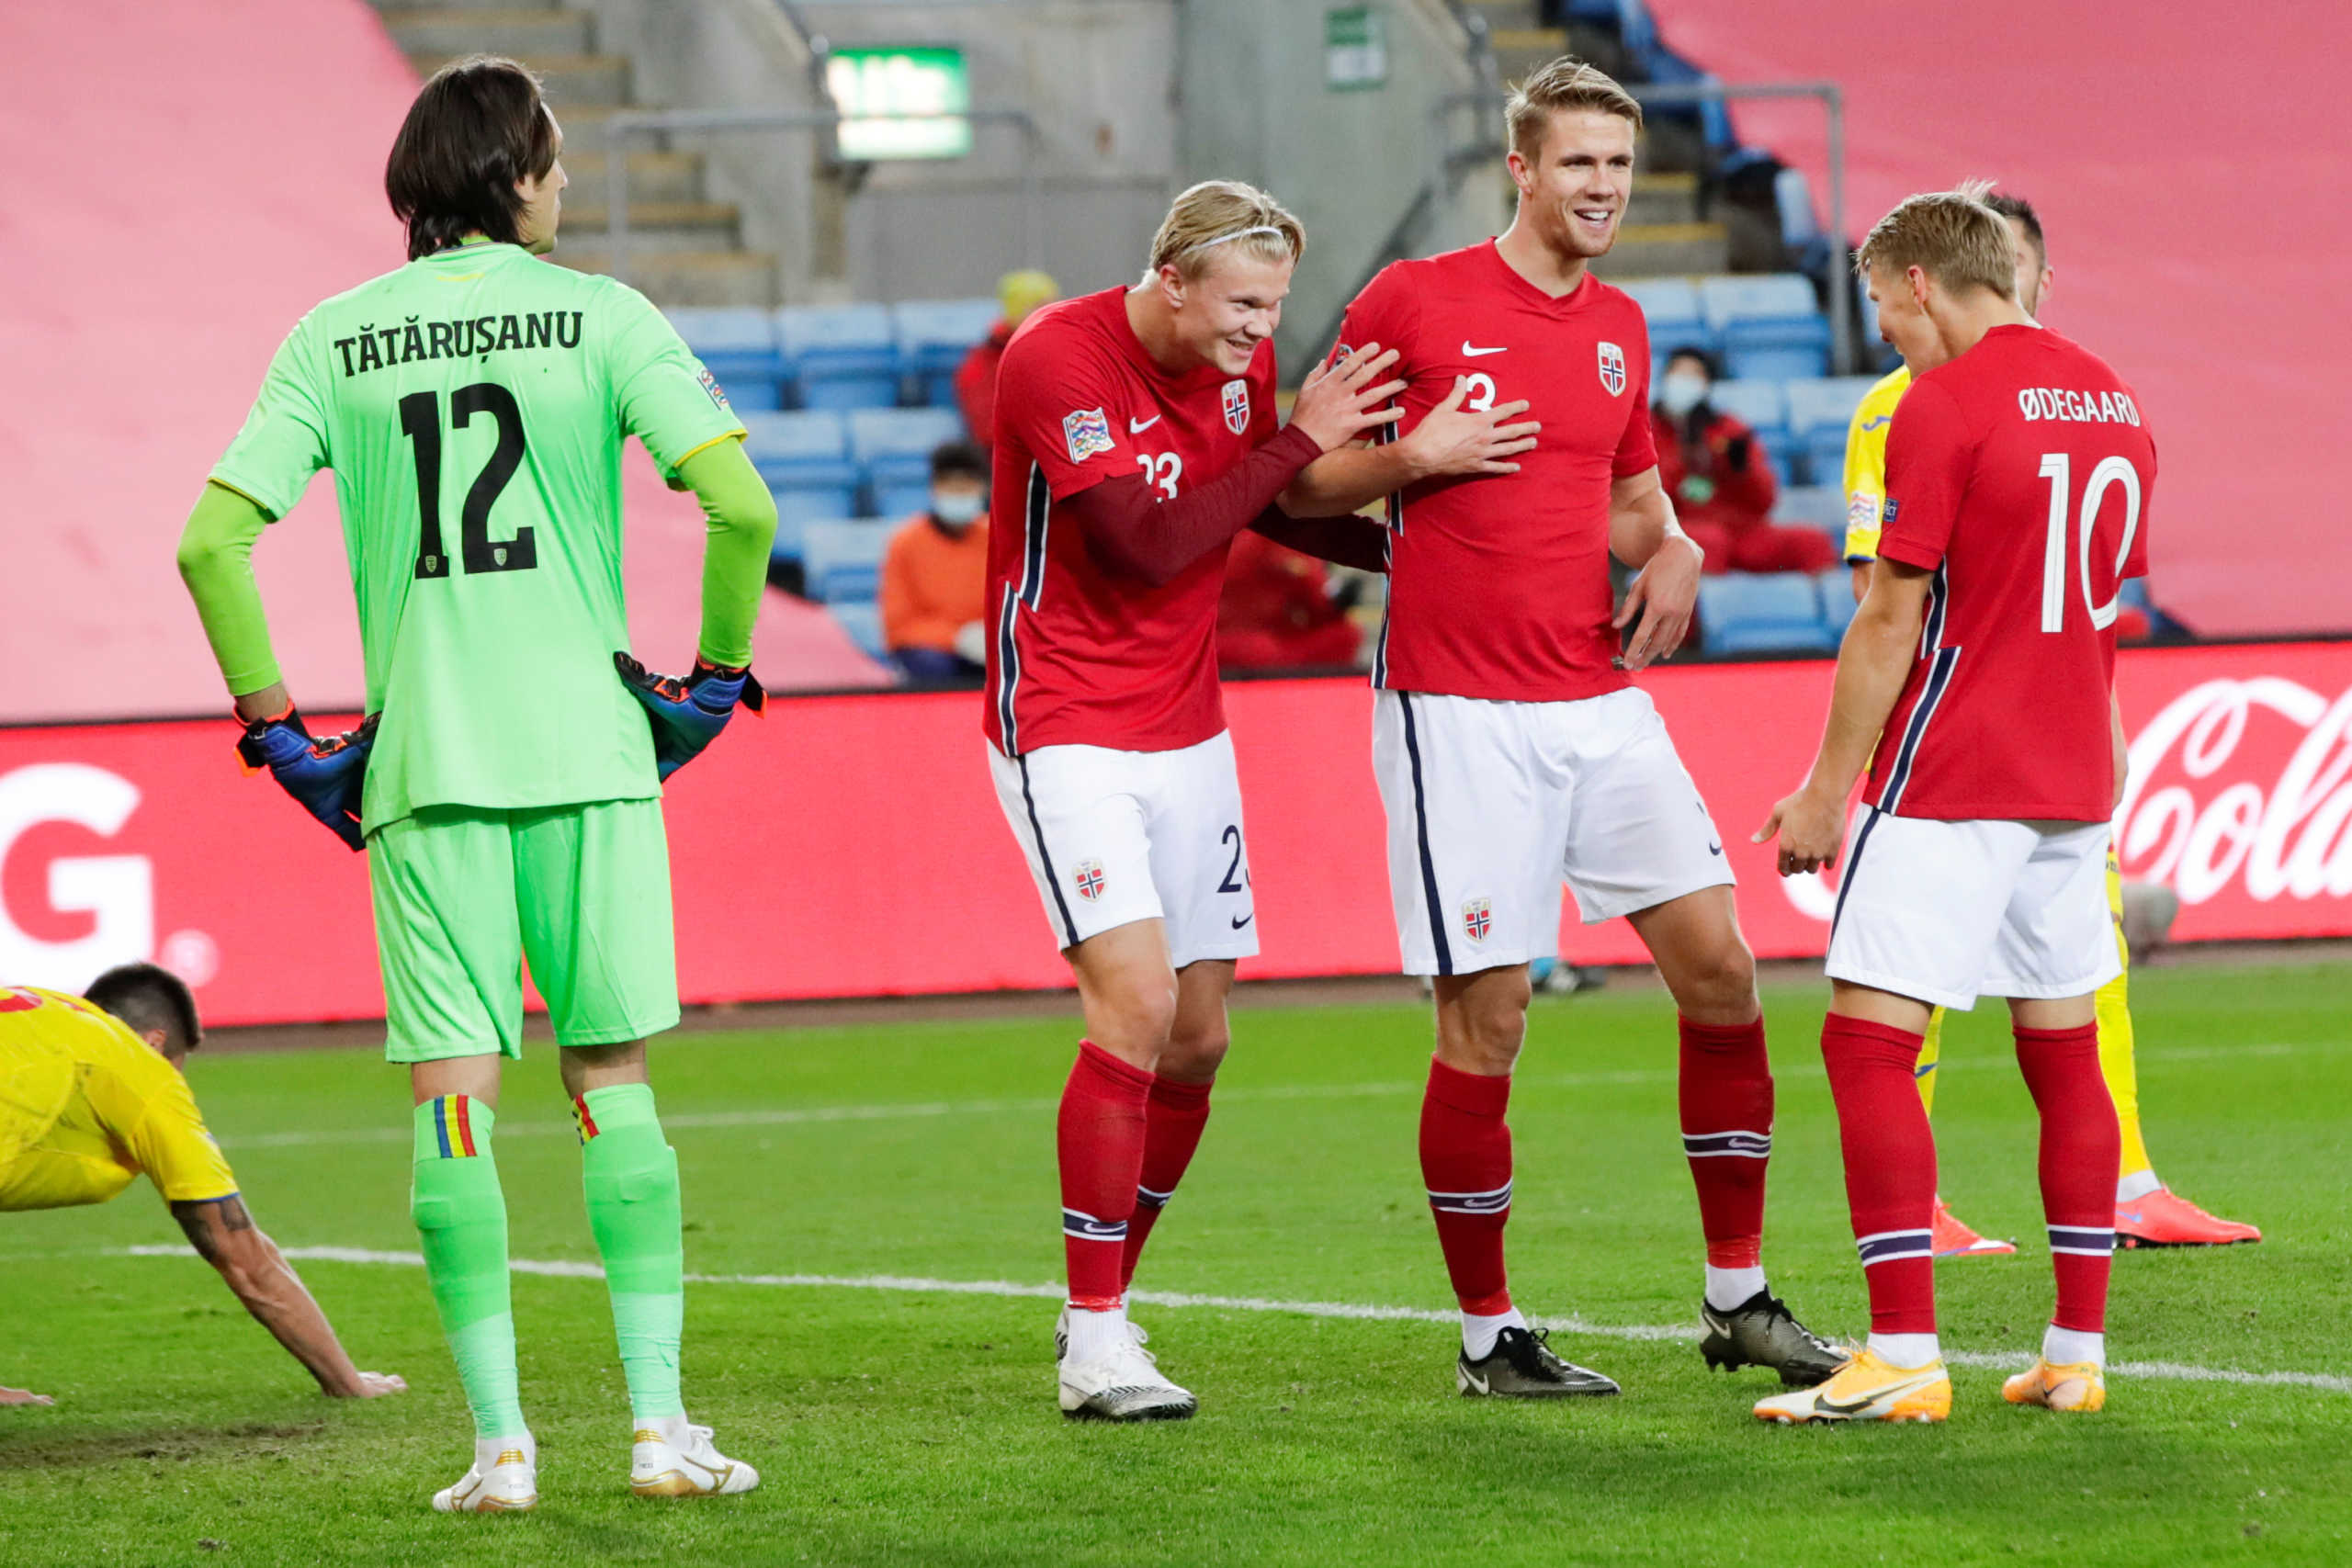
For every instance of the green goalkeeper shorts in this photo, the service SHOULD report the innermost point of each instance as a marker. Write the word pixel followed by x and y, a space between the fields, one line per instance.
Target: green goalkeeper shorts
pixel 465 895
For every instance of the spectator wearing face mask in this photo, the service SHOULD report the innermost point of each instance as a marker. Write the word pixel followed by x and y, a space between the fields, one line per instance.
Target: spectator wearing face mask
pixel 934 575
pixel 1019 293
pixel 1722 485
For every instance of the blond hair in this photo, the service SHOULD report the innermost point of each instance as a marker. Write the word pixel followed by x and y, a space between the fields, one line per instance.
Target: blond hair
pixel 1951 235
pixel 1566 83
pixel 1219 217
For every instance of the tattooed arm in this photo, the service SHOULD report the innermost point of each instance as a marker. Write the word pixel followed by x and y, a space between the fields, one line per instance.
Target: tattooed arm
pixel 224 1234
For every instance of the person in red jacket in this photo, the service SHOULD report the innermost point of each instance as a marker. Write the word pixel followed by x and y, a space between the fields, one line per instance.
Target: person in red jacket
pixel 1020 293
pixel 1277 613
pixel 1722 485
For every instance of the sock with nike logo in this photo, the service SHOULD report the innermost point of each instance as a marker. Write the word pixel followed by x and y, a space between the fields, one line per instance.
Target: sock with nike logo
pixel 1176 1113
pixel 1725 1094
pixel 1465 1160
pixel 1890 1170
pixel 1099 1135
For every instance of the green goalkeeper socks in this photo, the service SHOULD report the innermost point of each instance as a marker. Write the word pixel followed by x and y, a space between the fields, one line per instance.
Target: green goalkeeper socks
pixel 461 1220
pixel 630 1175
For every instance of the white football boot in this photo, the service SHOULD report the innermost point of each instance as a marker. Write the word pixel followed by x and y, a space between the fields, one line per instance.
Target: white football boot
pixel 673 1458
pixel 504 1480
pixel 1124 1386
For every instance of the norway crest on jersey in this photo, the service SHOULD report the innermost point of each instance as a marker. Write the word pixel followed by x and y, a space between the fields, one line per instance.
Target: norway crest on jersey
pixel 1612 369
pixel 1237 406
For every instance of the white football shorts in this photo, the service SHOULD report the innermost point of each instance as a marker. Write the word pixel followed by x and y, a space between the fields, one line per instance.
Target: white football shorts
pixel 1114 836
pixel 1492 805
pixel 1946 912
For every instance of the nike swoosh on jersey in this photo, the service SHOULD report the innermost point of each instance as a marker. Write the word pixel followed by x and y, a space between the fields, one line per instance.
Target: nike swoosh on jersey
pixel 1138 426
pixel 1469 352
pixel 1244 920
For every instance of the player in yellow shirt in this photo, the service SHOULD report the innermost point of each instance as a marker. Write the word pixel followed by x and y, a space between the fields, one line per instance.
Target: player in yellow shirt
pixel 2147 1212
pixel 91 1097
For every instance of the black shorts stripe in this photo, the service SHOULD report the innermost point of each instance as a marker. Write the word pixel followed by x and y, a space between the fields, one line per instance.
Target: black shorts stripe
pixel 1854 864
pixel 1044 856
pixel 1421 828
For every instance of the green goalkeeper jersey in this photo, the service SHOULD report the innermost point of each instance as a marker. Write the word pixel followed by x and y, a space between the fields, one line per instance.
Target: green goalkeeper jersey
pixel 473 405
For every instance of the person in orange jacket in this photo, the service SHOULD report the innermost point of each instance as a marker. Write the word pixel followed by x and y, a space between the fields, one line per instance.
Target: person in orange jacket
pixel 934 575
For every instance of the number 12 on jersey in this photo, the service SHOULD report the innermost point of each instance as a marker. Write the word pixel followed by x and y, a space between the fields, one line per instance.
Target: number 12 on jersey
pixel 421 422
pixel 2058 468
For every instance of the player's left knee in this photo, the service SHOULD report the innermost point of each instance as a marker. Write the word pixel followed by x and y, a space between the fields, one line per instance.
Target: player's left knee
pixel 1195 1054
pixel 1719 986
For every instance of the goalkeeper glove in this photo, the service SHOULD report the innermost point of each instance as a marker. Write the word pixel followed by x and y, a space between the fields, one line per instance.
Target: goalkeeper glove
pixel 325 775
pixel 688 714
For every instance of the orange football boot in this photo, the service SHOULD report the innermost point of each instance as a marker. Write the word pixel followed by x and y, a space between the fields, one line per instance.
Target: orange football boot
pixel 2081 1387
pixel 2164 1218
pixel 1949 1236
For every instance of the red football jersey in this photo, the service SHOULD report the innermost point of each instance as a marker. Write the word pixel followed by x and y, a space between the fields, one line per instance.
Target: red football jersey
pixel 1078 655
pixel 2020 474
pixel 1498 587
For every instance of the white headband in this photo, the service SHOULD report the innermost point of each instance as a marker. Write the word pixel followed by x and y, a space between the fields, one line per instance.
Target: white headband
pixel 1236 234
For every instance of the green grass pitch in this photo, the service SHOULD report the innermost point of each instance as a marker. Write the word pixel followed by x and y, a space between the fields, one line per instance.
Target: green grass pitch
pixel 918 1425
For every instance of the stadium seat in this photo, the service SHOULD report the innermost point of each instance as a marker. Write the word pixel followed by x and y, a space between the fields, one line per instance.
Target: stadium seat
pixel 863 620
pixel 1750 613
pixel 804 457
pixel 1824 402
pixel 893 447
pixel 843 559
pixel 1764 405
pixel 1835 587
pixel 840 356
pixel 1821 506
pixel 935 336
pixel 1771 326
pixel 1671 305
pixel 736 346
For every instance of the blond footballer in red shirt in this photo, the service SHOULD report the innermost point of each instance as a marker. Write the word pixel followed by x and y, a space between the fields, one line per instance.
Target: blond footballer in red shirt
pixel 1979 679
pixel 1513 750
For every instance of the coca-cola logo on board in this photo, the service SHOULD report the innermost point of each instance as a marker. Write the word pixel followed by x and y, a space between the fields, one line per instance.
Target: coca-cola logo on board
pixel 2243 781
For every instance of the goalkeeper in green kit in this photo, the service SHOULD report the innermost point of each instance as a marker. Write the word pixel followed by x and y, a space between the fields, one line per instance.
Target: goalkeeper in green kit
pixel 506 779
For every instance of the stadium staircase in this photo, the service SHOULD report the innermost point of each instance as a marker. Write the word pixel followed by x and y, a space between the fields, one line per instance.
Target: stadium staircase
pixel 684 248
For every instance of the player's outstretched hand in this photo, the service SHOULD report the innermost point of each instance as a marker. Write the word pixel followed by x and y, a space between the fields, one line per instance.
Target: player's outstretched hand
pixel 23 1396
pixel 1453 440
pixel 325 775
pixel 687 714
pixel 1662 597
pixel 374 1385
pixel 1341 400
pixel 1812 831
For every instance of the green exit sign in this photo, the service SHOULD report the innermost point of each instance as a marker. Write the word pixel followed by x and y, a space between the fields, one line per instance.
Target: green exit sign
pixel 900 101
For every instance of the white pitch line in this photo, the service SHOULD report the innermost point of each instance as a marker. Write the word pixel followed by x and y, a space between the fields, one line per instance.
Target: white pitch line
pixel 2331 1383
pixel 817 1115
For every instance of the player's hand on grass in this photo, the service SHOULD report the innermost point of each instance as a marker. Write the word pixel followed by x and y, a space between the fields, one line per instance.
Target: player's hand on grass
pixel 324 774
pixel 1811 827
pixel 687 714
pixel 1662 597
pixel 1453 440
pixel 1341 400
pixel 372 1385
pixel 23 1396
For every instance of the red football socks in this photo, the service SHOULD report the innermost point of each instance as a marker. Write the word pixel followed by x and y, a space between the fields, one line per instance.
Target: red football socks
pixel 2080 1145
pixel 1179 1112
pixel 1889 1166
pixel 1726 1098
pixel 1466 1161
pixel 1099 1135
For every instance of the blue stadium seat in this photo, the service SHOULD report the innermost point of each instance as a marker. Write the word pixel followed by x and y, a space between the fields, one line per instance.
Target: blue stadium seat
pixel 934 337
pixel 804 457
pixel 1824 402
pixel 1671 305
pixel 863 620
pixel 1765 408
pixel 840 356
pixel 736 346
pixel 1771 326
pixel 894 447
pixel 1821 506
pixel 1835 587
pixel 1748 613
pixel 844 561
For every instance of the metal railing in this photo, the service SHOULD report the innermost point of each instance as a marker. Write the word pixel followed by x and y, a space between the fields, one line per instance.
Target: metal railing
pixel 1833 103
pixel 826 124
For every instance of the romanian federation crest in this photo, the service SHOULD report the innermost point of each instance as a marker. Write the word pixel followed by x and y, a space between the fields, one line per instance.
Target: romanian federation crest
pixel 1087 431
pixel 1612 369
pixel 1477 918
pixel 1088 875
pixel 1237 406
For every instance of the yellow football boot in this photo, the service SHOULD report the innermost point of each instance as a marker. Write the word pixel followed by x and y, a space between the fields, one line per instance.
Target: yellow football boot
pixel 2081 1387
pixel 1866 1389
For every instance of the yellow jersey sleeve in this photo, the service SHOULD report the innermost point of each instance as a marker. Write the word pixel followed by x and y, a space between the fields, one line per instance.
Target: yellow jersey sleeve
pixel 149 1114
pixel 1866 464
